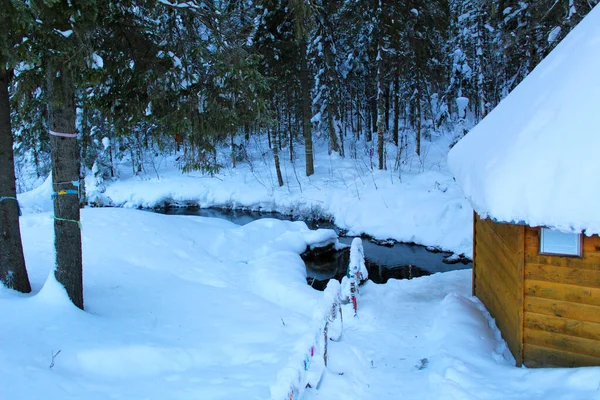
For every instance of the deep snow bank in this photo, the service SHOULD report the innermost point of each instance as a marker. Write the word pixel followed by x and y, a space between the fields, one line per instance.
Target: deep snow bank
pixel 176 308
pixel 418 202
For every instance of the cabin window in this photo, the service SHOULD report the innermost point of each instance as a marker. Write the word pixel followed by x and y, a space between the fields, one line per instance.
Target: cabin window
pixel 557 242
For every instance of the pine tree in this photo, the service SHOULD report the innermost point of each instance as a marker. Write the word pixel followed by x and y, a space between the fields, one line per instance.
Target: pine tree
pixel 62 31
pixel 327 88
pixel 303 12
pixel 193 76
pixel 13 273
pixel 381 37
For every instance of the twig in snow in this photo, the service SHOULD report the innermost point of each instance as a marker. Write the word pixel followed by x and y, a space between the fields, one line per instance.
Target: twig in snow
pixel 53 357
pixel 296 174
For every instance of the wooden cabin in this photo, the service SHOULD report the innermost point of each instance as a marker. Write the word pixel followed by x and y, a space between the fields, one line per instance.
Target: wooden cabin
pixel 531 171
pixel 546 304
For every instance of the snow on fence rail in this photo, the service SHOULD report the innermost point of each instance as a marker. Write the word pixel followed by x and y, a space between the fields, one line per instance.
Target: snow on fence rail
pixel 306 370
pixel 357 272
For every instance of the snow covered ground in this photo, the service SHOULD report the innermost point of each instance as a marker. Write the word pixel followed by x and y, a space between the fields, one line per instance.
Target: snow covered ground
pixel 176 308
pixel 419 202
pixel 181 307
pixel 427 338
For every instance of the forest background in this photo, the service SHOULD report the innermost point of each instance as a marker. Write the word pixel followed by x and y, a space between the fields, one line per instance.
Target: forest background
pixel 86 84
pixel 160 75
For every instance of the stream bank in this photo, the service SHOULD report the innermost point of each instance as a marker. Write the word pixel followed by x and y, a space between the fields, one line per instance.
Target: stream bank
pixel 385 259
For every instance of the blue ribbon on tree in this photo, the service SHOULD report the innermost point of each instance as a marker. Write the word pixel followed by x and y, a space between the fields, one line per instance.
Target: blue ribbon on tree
pixel 64 192
pixel 15 199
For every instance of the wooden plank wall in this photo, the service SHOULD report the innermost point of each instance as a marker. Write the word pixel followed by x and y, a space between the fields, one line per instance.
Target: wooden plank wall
pixel 498 278
pixel 562 305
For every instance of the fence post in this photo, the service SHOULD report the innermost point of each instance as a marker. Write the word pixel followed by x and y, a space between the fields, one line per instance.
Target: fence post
pixel 357 271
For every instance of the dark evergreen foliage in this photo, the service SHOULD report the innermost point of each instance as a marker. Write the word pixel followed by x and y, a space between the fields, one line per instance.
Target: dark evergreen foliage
pixel 193 75
pixel 136 76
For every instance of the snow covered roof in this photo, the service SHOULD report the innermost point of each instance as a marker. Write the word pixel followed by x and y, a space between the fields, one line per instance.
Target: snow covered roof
pixel 536 157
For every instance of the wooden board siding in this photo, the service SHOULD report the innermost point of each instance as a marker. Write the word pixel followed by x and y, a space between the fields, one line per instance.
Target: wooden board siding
pixel 498 280
pixel 561 305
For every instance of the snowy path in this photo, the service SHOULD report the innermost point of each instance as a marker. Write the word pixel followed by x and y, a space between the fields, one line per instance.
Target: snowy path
pixel 426 339
pixel 385 351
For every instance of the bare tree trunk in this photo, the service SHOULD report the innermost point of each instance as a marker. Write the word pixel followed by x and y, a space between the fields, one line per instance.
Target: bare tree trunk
pixel 288 112
pixel 306 127
pixel 380 106
pixel 373 115
pixel 233 164
pixel 351 115
pixel 387 108
pixel 479 67
pixel 371 122
pixel 269 140
pixel 342 136
pixel 276 147
pixel 396 95
pixel 333 140
pixel 418 121
pixel 291 135
pixel 85 139
pixel 13 273
pixel 65 181
pixel 359 126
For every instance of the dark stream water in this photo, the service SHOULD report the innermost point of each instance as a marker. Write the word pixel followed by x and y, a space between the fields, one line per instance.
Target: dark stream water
pixel 385 260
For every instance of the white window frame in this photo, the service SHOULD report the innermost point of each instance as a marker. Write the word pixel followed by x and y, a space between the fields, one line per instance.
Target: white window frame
pixel 548 248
